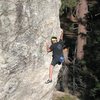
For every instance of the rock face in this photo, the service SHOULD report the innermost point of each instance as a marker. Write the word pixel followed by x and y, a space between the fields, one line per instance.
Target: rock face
pixel 25 25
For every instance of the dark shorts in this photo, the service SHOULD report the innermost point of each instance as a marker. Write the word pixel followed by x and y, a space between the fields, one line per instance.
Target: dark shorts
pixel 57 61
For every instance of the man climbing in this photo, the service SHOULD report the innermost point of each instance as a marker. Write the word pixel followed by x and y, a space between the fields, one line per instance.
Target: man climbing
pixel 57 54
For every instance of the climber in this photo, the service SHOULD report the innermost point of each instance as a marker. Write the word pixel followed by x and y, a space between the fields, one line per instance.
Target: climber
pixel 57 54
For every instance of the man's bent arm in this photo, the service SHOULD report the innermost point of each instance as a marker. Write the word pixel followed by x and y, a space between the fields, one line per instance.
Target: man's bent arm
pixel 48 48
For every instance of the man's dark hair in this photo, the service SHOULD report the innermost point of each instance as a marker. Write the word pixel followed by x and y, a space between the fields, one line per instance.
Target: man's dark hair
pixel 53 37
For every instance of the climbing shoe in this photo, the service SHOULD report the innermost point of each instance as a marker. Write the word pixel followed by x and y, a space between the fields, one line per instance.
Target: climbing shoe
pixel 48 81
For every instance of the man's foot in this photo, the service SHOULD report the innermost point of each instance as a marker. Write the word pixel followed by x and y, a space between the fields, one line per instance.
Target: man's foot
pixel 48 81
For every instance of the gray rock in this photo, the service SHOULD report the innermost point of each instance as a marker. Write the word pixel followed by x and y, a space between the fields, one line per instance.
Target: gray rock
pixel 25 25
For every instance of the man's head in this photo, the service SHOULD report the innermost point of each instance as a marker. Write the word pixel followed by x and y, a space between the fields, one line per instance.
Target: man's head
pixel 53 39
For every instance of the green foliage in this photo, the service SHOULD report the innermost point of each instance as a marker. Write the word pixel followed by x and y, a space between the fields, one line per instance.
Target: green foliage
pixel 92 58
pixel 71 3
pixel 95 90
pixel 65 98
pixel 63 6
pixel 67 3
pixel 98 85
pixel 86 72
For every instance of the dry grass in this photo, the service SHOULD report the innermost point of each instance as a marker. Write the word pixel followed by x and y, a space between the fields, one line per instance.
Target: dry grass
pixel 63 96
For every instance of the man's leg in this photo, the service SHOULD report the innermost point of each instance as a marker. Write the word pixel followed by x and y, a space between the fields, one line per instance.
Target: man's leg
pixel 53 63
pixel 50 72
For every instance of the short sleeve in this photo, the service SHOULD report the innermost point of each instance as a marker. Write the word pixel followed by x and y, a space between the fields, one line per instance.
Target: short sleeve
pixel 62 42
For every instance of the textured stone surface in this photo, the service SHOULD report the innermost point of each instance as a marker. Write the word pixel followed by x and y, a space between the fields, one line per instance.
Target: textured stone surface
pixel 25 25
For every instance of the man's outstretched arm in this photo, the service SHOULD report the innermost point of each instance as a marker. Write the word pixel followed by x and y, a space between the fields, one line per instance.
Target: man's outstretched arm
pixel 61 35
